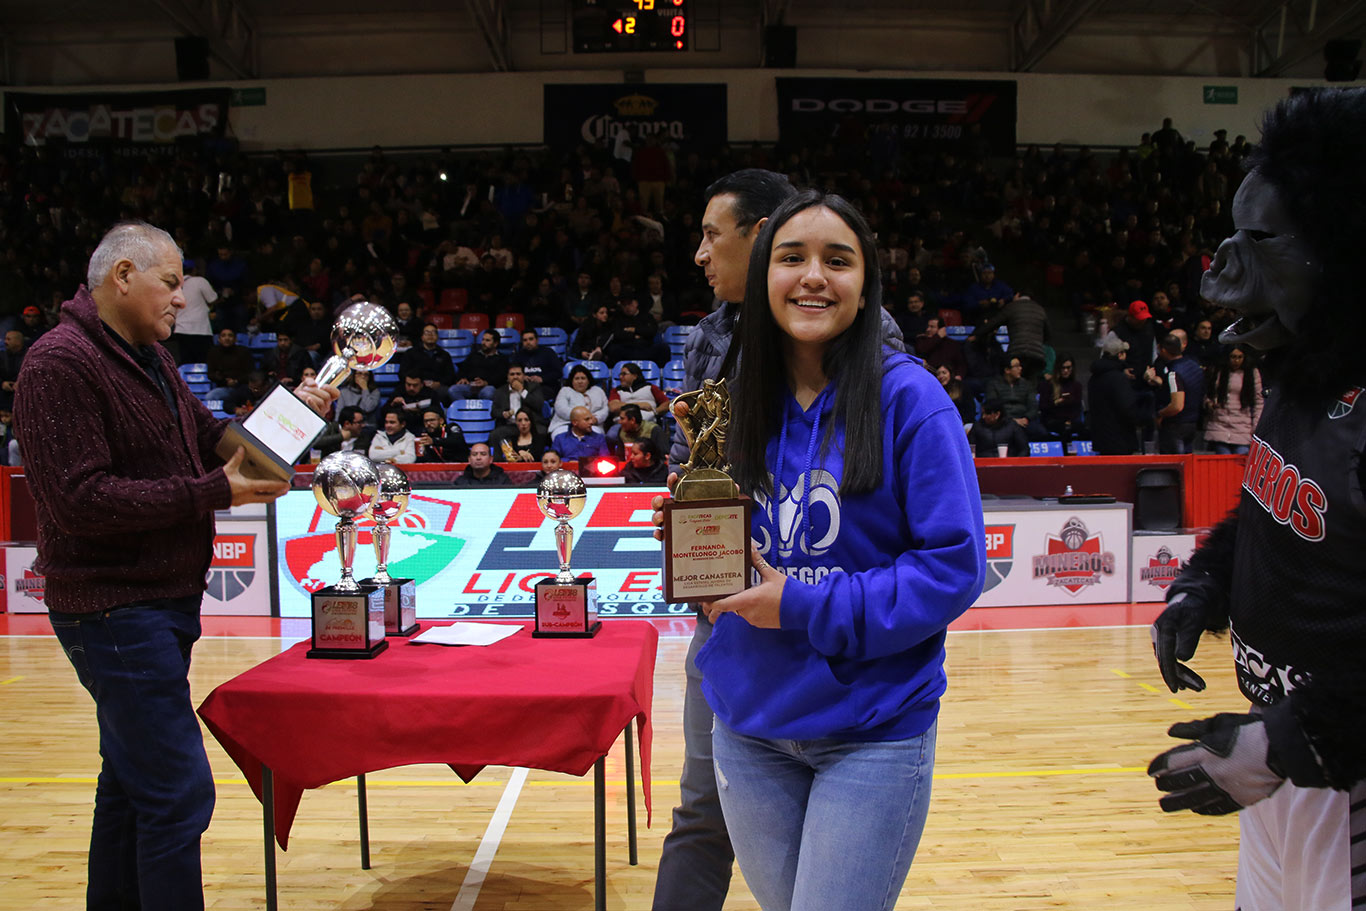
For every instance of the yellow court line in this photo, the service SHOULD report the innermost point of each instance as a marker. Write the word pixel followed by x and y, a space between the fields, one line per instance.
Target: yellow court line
pixel 581 783
pixel 1185 705
pixel 10 680
pixel 1149 687
pixel 1118 673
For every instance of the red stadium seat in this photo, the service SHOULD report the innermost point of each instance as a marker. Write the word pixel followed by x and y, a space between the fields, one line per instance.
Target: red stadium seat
pixel 454 300
pixel 510 321
pixel 950 317
pixel 428 298
pixel 475 322
pixel 441 320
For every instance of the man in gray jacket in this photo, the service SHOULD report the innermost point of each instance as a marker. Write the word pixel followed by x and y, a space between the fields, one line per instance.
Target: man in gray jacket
pixel 695 863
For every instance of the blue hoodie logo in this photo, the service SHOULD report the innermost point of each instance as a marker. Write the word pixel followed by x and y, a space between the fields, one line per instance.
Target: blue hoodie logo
pixel 823 522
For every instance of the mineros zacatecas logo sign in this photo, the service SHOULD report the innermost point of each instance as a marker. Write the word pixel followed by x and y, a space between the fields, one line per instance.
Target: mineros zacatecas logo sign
pixel 1162 569
pixel 1074 559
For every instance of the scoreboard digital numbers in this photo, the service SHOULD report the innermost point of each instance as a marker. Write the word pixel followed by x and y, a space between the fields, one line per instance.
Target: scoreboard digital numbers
pixel 608 26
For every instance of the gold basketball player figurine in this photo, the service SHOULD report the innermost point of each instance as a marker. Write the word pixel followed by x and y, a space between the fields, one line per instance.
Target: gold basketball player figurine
pixel 706 522
pixel 704 416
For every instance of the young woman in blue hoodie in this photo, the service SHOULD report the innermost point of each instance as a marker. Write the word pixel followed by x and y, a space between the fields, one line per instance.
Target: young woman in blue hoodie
pixel 825 676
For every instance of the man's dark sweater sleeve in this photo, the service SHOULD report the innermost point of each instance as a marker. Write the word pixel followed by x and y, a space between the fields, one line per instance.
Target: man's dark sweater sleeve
pixel 69 465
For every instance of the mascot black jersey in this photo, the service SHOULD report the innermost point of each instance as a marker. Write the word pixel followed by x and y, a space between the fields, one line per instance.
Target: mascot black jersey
pixel 1299 577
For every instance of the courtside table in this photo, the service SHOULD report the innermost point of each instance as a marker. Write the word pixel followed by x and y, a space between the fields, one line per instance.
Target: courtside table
pixel 293 723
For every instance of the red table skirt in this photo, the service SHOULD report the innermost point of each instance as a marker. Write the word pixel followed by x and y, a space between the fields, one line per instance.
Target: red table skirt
pixel 553 704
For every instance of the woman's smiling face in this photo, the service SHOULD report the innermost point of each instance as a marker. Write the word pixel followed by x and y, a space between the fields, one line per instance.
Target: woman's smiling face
pixel 815 277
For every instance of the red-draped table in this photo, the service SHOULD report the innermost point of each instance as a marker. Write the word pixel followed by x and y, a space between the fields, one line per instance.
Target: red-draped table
pixel 291 723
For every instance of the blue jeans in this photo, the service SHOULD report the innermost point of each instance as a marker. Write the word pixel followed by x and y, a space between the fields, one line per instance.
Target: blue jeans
pixel 824 824
pixel 154 796
pixel 1226 448
pixel 695 863
pixel 460 392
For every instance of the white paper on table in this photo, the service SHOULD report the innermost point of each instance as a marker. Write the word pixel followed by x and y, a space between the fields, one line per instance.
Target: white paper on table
pixel 467 633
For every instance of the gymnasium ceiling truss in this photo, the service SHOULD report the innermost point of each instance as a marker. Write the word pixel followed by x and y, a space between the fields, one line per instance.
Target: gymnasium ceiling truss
pixel 1037 26
pixel 490 19
pixel 1296 30
pixel 228 26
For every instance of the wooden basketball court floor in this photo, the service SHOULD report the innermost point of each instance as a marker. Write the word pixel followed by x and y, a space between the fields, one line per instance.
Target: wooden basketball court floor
pixel 1040 798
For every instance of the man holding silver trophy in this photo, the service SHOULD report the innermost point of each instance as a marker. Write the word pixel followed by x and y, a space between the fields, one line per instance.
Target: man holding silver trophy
pixel 120 460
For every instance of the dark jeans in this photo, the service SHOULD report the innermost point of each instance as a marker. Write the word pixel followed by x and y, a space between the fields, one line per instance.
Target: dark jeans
pixel 1176 438
pixel 695 863
pixel 154 796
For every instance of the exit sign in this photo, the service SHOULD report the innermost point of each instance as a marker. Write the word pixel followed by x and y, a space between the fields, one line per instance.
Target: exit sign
pixel 249 97
pixel 1221 94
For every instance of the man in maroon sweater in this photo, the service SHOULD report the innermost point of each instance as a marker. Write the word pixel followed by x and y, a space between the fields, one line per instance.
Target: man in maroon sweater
pixel 119 457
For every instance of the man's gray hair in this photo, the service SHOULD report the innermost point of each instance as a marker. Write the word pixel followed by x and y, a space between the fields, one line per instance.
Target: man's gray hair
pixel 136 241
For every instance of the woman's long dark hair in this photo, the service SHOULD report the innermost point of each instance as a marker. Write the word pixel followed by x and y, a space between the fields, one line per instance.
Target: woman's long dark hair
pixel 1248 396
pixel 852 364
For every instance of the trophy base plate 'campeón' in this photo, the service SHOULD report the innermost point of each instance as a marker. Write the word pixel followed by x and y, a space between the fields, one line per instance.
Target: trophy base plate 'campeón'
pixel 567 610
pixel 348 624
pixel 706 548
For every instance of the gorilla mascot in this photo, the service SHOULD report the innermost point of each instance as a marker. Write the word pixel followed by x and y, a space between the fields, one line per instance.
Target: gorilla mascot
pixel 1286 572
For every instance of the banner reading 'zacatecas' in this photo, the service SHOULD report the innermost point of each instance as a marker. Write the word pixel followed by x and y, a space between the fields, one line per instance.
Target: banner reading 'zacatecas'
pixel 140 118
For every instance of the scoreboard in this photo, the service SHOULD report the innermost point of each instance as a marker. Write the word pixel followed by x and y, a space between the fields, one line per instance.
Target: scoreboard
pixel 608 26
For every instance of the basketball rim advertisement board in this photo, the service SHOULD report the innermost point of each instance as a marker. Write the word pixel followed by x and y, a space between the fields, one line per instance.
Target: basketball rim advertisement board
pixel 478 553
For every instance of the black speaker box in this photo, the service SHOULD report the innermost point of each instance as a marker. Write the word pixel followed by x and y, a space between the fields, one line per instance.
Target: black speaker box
pixel 780 46
pixel 191 58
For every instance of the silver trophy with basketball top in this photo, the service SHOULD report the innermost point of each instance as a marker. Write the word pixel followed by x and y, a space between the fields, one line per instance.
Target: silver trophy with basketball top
pixel 282 427
pixel 348 617
pixel 566 606
pixel 400 595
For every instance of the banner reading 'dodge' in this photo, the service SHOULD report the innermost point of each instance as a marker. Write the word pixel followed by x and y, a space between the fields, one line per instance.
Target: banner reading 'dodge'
pixel 478 553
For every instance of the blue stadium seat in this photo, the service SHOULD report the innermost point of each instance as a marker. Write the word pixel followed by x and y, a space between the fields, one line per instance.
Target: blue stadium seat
pixel 676 337
pixel 510 339
pixel 470 409
pixel 554 338
pixel 261 340
pixel 958 332
pixel 672 378
pixel 474 417
pixel 1051 448
pixel 458 344
pixel 188 370
pixel 1082 448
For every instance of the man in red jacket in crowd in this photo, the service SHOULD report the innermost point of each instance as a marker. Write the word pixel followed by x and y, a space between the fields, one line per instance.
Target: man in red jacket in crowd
pixel 120 459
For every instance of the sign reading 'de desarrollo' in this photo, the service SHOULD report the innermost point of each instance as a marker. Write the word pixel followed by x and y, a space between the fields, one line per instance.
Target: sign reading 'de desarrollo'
pixel 694 114
pixel 905 112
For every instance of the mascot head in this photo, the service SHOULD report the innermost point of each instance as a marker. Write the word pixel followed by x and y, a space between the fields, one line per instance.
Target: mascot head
pixel 1291 268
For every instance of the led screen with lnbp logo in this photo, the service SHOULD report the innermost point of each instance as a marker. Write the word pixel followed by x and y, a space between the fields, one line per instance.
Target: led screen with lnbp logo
pixel 479 552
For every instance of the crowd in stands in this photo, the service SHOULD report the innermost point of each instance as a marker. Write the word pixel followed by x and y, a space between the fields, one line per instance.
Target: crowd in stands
pixel 1109 248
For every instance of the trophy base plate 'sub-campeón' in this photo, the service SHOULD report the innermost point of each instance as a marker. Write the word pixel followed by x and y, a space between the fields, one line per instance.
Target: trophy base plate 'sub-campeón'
pixel 706 547
pixel 400 606
pixel 348 624
pixel 567 610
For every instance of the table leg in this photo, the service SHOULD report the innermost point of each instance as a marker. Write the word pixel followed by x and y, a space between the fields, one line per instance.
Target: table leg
pixel 600 834
pixel 268 825
pixel 631 795
pixel 364 823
